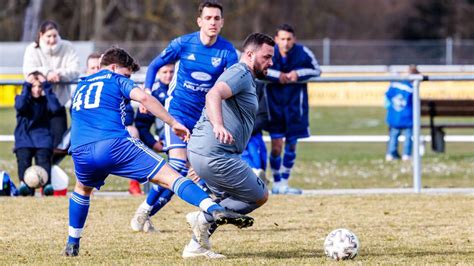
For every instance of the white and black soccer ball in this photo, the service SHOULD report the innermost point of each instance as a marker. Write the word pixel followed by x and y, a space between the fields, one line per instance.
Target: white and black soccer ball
pixel 341 244
pixel 35 176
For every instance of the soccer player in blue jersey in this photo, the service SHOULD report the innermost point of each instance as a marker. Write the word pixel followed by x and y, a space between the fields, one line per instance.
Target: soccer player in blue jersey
pixel 200 58
pixel 100 145
pixel 288 104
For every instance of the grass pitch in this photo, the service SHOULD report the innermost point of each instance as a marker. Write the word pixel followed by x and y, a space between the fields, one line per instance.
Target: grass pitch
pixel 332 165
pixel 393 229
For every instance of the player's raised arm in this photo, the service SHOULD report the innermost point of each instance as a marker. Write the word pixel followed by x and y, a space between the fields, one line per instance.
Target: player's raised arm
pixel 169 55
pixel 155 107
pixel 214 97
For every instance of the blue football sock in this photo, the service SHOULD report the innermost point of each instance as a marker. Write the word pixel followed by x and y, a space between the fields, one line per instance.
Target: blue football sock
pixel 154 194
pixel 78 210
pixel 289 158
pixel 275 164
pixel 288 162
pixel 192 194
pixel 165 197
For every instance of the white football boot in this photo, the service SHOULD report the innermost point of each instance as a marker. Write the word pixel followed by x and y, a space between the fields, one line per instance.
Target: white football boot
pixel 194 250
pixel 200 228
pixel 138 221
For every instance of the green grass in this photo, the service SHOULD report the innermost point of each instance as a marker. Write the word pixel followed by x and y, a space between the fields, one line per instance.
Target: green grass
pixel 392 229
pixel 333 165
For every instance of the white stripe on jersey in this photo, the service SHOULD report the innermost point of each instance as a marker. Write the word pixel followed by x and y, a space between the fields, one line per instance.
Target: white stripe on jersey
pixel 314 62
pixel 266 102
pixel 273 73
pixel 307 72
pixel 172 86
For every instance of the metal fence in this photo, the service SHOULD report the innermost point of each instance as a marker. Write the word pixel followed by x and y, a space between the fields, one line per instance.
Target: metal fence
pixel 416 79
pixel 350 52
pixel 393 52
pixel 327 51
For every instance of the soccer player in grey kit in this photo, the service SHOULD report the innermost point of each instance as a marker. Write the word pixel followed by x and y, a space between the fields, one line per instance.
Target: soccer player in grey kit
pixel 219 138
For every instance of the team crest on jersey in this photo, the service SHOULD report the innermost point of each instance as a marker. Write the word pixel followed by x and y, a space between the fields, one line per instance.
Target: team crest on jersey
pixel 215 61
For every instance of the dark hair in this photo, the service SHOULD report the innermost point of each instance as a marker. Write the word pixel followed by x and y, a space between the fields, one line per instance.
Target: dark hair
pixel 94 55
pixel 120 57
pixel 213 4
pixel 36 74
pixel 413 69
pixel 44 27
pixel 257 40
pixel 285 27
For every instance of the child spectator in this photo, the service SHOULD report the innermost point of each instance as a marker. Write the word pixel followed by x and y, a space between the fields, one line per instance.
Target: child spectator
pixel 399 105
pixel 33 137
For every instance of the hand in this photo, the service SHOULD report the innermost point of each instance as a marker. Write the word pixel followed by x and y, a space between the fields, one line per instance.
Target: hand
pixel 283 78
pixel 292 76
pixel 181 131
pixel 41 78
pixel 142 109
pixel 193 175
pixel 53 76
pixel 223 135
pixel 30 79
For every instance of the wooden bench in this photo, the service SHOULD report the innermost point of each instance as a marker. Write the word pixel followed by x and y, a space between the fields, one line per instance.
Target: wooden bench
pixel 445 108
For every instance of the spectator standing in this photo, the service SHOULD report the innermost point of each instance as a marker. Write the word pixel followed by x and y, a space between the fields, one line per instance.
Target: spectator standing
pixel 58 61
pixel 288 104
pixel 33 138
pixel 399 105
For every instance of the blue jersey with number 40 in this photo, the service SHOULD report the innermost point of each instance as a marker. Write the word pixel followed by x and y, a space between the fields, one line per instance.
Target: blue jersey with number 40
pixel 98 108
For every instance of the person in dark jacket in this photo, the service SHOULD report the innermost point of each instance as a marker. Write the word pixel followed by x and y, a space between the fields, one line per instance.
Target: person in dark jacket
pixel 288 104
pixel 35 107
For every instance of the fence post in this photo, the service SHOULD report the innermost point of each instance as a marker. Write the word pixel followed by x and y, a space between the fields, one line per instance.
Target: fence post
pixel 326 51
pixel 416 135
pixel 449 51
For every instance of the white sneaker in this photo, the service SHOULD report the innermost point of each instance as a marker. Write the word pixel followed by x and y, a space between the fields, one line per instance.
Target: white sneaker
pixel 389 158
pixel 406 157
pixel 200 252
pixel 286 190
pixel 139 219
pixel 148 227
pixel 200 229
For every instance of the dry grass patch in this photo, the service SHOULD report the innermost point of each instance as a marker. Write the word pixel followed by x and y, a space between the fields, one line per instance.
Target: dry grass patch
pixel 414 229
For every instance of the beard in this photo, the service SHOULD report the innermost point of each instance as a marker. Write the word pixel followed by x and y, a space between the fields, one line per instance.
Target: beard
pixel 260 73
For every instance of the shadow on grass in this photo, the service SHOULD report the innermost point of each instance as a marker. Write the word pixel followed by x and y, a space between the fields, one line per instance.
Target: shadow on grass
pixel 416 254
pixel 280 254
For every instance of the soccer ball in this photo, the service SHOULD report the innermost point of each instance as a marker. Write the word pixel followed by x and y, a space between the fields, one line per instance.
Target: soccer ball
pixel 341 244
pixel 35 176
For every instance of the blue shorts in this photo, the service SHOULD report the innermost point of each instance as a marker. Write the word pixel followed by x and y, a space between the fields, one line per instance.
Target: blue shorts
pixel 288 137
pixel 127 157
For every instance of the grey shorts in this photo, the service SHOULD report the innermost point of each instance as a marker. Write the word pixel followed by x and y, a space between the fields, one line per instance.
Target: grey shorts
pixel 229 176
